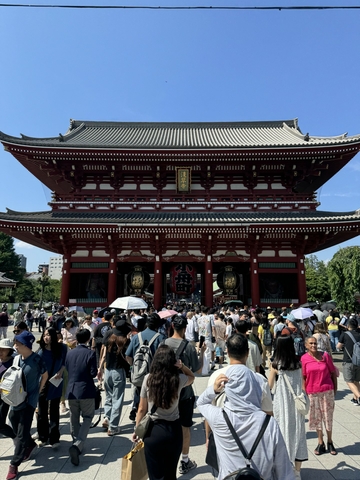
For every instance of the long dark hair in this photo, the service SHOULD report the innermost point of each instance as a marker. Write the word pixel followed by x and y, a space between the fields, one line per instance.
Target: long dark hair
pixel 54 345
pixel 116 342
pixel 163 381
pixel 285 357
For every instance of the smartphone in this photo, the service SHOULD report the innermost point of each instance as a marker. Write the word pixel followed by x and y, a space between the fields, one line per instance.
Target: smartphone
pixel 202 340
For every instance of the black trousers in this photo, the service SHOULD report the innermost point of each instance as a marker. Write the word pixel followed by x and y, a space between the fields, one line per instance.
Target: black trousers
pixel 48 422
pixel 4 428
pixel 21 421
pixel 163 444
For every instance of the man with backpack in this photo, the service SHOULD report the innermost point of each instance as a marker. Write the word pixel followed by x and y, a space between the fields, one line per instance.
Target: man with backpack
pixel 351 362
pixel 186 352
pixel 140 353
pixel 33 376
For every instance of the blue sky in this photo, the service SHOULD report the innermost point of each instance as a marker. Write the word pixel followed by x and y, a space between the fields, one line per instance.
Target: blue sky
pixel 189 65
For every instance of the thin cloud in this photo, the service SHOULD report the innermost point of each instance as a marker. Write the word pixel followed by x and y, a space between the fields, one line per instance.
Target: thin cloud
pixel 355 166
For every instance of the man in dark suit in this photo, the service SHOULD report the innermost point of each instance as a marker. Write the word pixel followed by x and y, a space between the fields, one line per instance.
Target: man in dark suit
pixel 81 366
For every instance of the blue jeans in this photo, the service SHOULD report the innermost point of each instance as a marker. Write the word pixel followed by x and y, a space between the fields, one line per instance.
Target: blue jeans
pixel 334 338
pixel 115 382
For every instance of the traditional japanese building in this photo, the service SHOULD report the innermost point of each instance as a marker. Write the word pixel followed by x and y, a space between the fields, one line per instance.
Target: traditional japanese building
pixel 168 208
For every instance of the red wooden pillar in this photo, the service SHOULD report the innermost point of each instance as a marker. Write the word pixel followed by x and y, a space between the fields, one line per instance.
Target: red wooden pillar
pixel 157 283
pixel 254 276
pixel 209 299
pixel 65 284
pixel 112 281
pixel 301 281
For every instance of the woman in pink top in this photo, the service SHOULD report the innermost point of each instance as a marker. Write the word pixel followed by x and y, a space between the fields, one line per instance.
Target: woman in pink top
pixel 320 383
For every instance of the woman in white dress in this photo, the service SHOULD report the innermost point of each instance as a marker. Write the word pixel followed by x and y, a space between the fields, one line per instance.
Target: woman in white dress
pixel 291 422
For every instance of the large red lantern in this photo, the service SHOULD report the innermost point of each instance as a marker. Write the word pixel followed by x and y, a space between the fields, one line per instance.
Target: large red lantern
pixel 183 279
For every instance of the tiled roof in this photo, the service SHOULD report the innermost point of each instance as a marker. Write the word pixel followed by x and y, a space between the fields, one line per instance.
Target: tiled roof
pixel 231 135
pixel 180 219
pixel 4 281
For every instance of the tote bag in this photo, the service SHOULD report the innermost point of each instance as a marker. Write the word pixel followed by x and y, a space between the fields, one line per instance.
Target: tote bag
pixel 134 464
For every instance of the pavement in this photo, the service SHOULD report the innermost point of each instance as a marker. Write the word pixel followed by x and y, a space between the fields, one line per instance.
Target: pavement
pixel 102 455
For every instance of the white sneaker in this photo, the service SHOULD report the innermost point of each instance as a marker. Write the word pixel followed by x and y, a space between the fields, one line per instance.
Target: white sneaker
pixel 35 436
pixel 297 474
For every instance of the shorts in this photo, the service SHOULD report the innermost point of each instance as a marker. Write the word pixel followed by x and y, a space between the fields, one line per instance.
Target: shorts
pixel 186 411
pixel 351 373
pixel 219 349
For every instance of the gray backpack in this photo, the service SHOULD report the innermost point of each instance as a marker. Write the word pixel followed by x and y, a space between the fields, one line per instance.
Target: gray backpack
pixel 13 384
pixel 142 360
pixel 355 357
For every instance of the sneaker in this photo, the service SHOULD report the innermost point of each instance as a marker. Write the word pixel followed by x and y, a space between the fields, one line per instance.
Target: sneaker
pixel 116 431
pixel 42 444
pixel 28 452
pixel 35 436
pixel 297 474
pixel 132 415
pixel 74 453
pixel 105 423
pixel 12 473
pixel 354 402
pixel 55 445
pixel 185 467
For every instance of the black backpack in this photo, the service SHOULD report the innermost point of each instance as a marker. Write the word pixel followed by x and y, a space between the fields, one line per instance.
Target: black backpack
pixel 246 473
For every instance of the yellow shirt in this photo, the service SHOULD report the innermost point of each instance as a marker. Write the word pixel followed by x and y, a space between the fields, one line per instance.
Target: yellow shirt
pixel 333 323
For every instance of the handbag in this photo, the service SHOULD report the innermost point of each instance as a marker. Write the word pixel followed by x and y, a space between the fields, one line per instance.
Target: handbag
pixel 143 426
pixel 211 455
pixel 302 402
pixel 134 464
pixel 246 472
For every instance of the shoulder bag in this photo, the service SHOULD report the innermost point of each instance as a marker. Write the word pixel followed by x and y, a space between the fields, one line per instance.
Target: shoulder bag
pixel 302 402
pixel 246 473
pixel 143 426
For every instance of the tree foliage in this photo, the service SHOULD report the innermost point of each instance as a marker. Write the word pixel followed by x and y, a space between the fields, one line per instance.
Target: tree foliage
pixel 317 284
pixel 9 260
pixel 344 276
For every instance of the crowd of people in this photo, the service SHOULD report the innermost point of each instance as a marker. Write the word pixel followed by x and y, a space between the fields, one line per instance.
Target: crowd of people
pixel 258 362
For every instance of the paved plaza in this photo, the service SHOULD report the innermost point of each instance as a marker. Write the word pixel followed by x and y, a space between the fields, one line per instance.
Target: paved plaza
pixel 103 454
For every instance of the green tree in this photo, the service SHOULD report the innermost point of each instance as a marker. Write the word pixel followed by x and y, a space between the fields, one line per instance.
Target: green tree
pixel 344 276
pixel 317 284
pixel 50 292
pixel 24 291
pixel 9 260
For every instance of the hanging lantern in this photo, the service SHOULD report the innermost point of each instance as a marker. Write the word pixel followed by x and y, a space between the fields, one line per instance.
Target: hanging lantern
pixel 228 280
pixel 138 280
pixel 183 279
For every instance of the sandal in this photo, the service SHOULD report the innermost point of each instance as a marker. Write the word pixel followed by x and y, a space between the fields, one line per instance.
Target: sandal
pixel 320 449
pixel 331 448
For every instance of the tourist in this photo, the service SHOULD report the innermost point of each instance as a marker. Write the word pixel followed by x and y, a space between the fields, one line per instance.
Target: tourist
pixel 323 341
pixel 332 322
pixel 253 360
pixel 220 332
pixel 351 372
pixel 21 416
pixel 188 355
pixel 69 333
pixel 29 319
pixel 116 371
pixel 4 323
pixel 53 354
pixel 88 324
pixel 160 393
pixel 6 358
pixel 320 383
pixel 153 323
pixel 81 366
pixel 266 335
pixel 286 367
pixel 243 407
